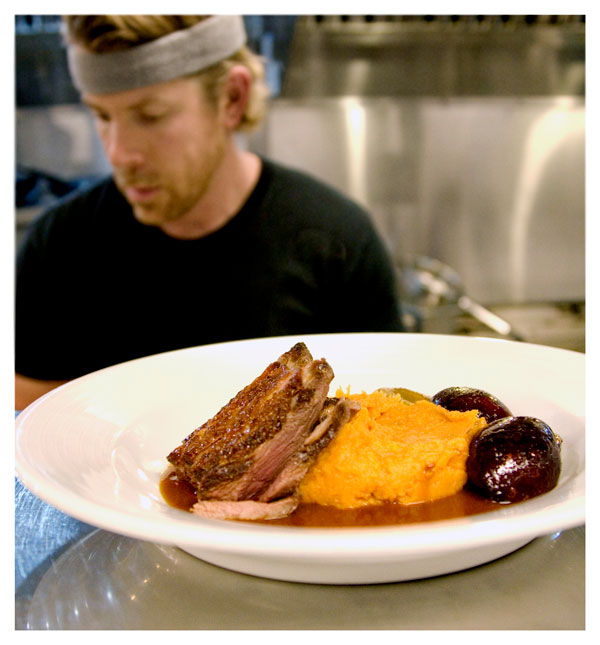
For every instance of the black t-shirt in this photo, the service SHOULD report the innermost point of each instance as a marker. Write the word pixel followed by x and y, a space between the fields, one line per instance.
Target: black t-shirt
pixel 95 287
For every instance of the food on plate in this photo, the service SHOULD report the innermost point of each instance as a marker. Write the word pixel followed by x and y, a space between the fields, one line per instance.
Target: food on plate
pixel 470 398
pixel 409 396
pixel 282 447
pixel 514 459
pixel 392 451
pixel 246 462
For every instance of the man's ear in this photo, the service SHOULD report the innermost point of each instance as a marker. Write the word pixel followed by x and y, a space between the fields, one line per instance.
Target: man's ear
pixel 236 91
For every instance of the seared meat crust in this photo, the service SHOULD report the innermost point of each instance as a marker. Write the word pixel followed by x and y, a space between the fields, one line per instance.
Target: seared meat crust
pixel 238 453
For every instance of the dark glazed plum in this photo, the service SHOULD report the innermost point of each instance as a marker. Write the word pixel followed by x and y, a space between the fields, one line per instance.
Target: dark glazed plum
pixel 463 399
pixel 514 459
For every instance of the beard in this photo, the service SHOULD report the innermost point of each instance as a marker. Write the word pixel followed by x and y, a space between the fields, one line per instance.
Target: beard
pixel 170 195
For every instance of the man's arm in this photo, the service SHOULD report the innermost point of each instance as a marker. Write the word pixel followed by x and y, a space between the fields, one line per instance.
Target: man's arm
pixel 29 389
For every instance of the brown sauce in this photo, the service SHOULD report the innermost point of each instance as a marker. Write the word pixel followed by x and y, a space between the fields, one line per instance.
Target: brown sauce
pixel 177 493
pixel 460 504
pixel 181 495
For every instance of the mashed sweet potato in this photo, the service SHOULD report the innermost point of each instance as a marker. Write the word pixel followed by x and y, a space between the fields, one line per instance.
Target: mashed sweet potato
pixel 392 451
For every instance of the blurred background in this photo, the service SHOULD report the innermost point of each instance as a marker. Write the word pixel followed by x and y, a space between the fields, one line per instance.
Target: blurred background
pixel 463 137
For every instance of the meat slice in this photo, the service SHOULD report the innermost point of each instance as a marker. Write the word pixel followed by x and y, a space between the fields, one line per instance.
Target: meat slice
pixel 239 453
pixel 246 509
pixel 280 498
pixel 335 413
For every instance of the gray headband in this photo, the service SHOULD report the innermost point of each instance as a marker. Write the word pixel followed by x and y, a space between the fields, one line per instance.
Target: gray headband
pixel 178 54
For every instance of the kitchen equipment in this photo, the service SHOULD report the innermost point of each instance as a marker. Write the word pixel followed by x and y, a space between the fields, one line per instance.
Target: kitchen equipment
pixel 434 290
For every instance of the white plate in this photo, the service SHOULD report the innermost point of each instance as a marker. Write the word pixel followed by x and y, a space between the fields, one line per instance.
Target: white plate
pixel 95 449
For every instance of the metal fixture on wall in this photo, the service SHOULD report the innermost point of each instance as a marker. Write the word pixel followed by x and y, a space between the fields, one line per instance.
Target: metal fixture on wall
pixel 436 56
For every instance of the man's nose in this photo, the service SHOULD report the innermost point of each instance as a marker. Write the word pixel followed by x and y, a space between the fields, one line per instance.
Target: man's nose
pixel 123 147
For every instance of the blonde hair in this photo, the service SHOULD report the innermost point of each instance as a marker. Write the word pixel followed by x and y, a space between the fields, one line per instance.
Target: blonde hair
pixel 103 34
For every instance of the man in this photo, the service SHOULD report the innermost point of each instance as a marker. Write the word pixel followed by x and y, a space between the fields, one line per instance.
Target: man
pixel 193 240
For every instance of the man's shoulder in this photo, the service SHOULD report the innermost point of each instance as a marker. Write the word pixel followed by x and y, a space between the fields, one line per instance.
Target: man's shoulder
pixel 98 192
pixel 304 182
pixel 298 191
pixel 81 207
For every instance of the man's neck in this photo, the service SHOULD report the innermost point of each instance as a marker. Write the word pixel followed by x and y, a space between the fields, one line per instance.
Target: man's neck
pixel 232 184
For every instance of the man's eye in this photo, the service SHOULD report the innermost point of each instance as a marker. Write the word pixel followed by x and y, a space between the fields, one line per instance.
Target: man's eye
pixel 150 117
pixel 101 116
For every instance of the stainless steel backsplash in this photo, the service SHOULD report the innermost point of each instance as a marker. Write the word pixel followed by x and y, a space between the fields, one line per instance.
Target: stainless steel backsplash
pixel 436 56
pixel 476 164
pixel 494 187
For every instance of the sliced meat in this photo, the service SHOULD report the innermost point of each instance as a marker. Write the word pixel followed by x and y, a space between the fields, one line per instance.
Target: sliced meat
pixel 246 510
pixel 238 453
pixel 335 413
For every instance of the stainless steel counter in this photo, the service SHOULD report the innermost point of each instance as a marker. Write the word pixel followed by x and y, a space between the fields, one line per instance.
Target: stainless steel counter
pixel 69 575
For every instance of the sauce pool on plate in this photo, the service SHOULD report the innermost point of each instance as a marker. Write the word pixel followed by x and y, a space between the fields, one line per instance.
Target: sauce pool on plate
pixel 179 494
